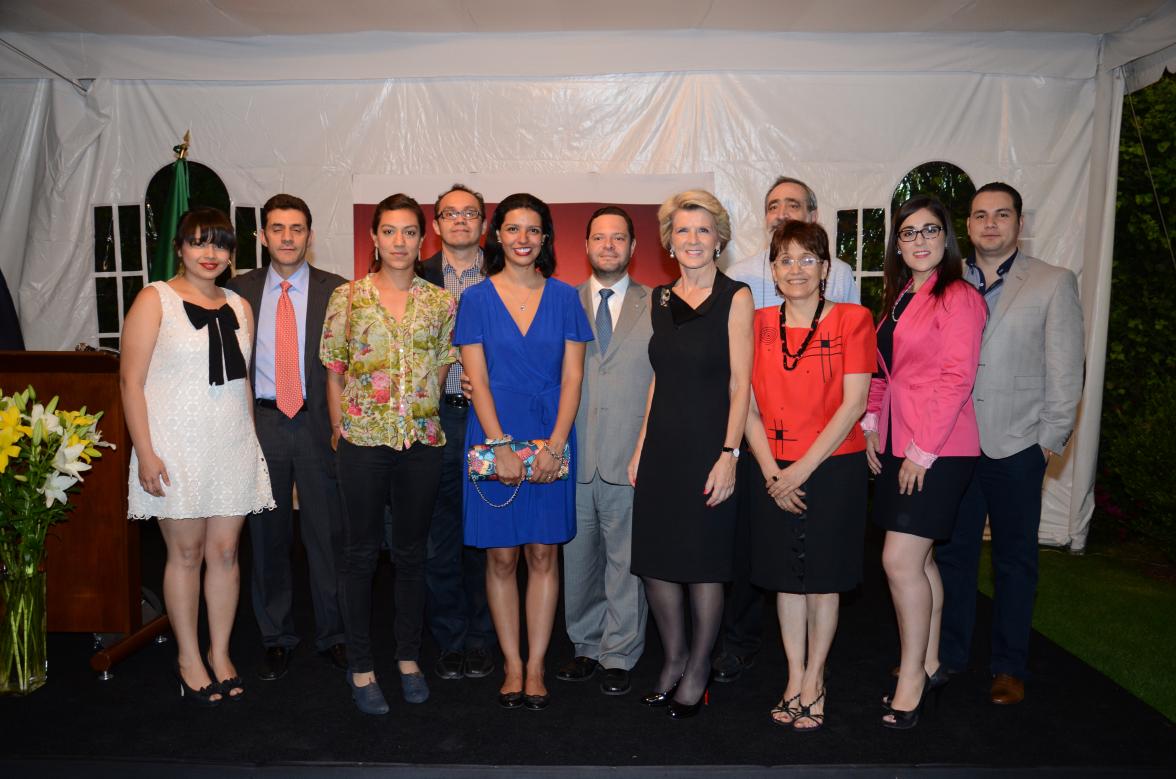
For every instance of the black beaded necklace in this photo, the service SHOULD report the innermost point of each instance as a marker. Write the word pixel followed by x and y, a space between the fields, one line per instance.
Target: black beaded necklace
pixel 807 339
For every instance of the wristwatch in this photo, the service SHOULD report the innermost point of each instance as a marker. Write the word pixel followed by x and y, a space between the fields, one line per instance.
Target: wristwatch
pixel 734 451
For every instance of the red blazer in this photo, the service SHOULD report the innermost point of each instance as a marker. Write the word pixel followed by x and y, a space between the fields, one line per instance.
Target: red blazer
pixel 926 393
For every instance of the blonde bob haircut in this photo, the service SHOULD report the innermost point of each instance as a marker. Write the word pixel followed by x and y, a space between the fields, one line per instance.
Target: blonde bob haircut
pixel 690 200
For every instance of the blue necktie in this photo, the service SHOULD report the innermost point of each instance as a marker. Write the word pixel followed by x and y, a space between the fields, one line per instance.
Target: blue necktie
pixel 604 321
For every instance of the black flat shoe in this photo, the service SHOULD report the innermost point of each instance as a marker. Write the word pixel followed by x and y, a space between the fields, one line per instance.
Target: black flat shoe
pixel 201 697
pixel 536 702
pixel 510 700
pixel 687 710
pixel 659 699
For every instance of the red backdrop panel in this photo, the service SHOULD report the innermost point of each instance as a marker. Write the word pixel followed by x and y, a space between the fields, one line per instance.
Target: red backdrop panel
pixel 651 264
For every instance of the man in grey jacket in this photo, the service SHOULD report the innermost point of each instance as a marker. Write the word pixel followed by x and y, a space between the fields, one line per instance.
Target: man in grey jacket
pixel 604 603
pixel 1026 397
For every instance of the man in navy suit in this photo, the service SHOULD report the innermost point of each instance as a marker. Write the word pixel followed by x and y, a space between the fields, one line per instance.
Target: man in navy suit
pixel 296 441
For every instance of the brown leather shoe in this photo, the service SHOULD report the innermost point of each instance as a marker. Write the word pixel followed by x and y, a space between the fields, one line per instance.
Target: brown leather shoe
pixel 1006 690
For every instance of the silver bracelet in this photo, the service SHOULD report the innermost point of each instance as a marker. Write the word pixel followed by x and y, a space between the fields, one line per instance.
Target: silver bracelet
pixel 506 439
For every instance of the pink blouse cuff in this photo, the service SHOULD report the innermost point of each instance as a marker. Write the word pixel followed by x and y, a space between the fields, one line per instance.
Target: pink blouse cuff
pixel 870 423
pixel 919 457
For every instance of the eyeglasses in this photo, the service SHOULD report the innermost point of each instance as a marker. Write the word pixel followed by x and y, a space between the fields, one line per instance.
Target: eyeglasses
pixel 907 234
pixel 452 214
pixel 807 261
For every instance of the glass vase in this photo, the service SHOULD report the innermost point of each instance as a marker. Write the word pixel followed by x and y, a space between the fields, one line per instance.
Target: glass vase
pixel 24 662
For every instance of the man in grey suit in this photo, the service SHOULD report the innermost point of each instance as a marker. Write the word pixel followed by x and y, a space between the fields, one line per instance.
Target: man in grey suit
pixel 1026 397
pixel 296 439
pixel 604 604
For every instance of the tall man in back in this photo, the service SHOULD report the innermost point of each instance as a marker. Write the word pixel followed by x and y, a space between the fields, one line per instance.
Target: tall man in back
pixel 1026 397
pixel 742 630
pixel 455 575
pixel 290 389
pixel 604 604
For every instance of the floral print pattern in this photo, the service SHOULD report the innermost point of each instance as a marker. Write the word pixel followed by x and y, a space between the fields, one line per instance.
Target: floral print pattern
pixel 390 391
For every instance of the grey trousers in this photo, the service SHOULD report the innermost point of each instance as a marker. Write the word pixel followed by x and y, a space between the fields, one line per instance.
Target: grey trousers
pixel 604 604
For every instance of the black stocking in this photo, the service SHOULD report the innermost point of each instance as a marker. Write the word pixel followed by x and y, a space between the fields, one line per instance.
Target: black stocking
pixel 706 616
pixel 667 602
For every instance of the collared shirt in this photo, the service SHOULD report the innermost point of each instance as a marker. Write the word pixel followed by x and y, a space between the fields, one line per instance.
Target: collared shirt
pixel 455 284
pixel 615 303
pixel 267 317
pixel 975 276
pixel 390 391
pixel 756 272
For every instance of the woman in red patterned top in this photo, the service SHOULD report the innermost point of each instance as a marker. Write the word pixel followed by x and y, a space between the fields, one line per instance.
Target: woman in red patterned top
pixel 810 380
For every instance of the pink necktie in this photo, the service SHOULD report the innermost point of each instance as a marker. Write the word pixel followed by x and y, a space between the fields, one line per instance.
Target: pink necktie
pixel 286 378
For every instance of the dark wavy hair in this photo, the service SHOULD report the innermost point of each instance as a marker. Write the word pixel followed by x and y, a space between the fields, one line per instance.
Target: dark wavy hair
pixel 397 202
pixel 896 272
pixel 493 258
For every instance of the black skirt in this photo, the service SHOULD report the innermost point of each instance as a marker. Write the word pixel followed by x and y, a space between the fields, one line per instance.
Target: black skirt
pixel 930 513
pixel 819 550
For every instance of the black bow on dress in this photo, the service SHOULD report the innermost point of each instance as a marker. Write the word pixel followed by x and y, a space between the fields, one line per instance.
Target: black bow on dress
pixel 224 353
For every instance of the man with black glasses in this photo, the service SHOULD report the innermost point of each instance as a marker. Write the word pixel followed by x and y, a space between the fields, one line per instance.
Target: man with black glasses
pixel 455 575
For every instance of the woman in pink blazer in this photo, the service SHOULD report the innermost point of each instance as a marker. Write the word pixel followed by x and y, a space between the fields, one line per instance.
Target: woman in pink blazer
pixel 921 436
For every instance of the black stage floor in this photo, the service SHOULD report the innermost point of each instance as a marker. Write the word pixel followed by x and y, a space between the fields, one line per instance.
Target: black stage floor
pixel 1074 721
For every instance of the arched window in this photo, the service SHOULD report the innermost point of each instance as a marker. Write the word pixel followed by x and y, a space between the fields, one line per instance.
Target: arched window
pixel 125 237
pixel 862 232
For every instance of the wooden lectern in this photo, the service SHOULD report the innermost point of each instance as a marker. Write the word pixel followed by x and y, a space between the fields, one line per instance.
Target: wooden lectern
pixel 92 558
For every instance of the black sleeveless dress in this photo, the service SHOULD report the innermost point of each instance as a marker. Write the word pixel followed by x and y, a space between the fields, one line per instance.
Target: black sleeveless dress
pixel 675 536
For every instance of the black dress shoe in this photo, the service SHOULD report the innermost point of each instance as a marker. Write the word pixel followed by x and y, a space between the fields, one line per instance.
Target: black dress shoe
pixel 449 665
pixel 477 664
pixel 578 669
pixel 336 655
pixel 536 702
pixel 658 699
pixel 510 700
pixel 615 682
pixel 274 663
pixel 728 666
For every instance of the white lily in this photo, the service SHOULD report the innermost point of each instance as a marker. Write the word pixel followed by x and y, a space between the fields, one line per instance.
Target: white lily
pixel 49 422
pixel 55 487
pixel 67 461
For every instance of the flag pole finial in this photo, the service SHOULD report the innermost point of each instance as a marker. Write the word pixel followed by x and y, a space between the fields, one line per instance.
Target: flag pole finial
pixel 181 151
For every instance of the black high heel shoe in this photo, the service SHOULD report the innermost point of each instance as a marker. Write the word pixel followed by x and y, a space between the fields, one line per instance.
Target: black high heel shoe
pixel 905 720
pixel 659 699
pixel 935 683
pixel 226 686
pixel 688 710
pixel 201 697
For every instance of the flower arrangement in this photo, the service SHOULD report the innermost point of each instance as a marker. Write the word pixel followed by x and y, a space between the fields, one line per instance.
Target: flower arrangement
pixel 43 452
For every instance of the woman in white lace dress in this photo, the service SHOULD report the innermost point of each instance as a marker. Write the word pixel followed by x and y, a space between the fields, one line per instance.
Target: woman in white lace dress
pixel 196 463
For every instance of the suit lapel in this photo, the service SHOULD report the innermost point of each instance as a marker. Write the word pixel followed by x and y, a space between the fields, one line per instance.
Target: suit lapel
pixel 1011 285
pixel 317 296
pixel 631 310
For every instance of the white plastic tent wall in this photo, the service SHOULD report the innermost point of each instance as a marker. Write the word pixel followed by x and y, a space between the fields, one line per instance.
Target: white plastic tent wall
pixel 848 113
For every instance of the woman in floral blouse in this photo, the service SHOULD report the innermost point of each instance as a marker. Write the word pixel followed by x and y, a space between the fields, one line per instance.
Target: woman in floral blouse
pixel 386 346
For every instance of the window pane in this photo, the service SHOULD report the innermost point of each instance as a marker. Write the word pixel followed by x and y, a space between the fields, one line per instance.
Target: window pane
pixel 110 342
pixel 130 238
pixel 950 184
pixel 872 288
pixel 847 234
pixel 103 238
pixel 107 289
pixel 873 238
pixel 131 287
pixel 246 238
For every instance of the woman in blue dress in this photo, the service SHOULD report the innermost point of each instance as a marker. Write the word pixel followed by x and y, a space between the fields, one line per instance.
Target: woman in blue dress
pixel 522 338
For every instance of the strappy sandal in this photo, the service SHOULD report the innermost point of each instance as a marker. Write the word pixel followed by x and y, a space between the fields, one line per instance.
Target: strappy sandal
pixel 806 713
pixel 789 706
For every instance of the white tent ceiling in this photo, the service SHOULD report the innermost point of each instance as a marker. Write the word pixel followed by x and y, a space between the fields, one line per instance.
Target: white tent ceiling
pixel 204 18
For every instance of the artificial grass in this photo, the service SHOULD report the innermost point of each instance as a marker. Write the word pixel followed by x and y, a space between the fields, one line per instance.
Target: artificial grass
pixel 1111 614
